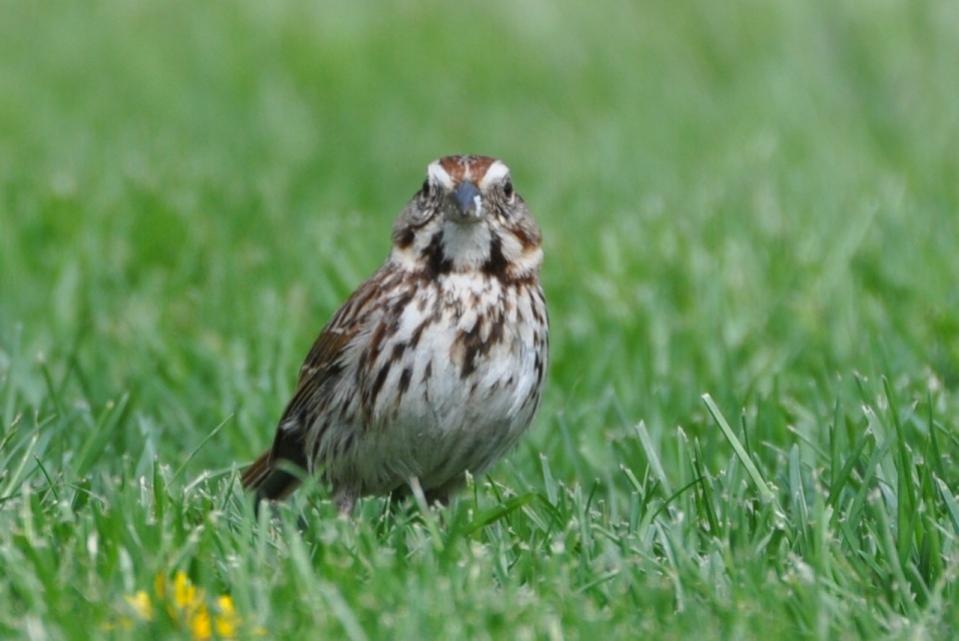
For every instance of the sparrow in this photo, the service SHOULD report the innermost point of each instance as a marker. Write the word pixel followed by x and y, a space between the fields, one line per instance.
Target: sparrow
pixel 434 367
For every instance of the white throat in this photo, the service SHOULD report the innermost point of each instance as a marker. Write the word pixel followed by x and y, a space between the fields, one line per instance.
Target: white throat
pixel 466 245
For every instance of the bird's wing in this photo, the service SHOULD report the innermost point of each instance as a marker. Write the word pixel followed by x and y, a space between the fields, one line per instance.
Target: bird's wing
pixel 323 364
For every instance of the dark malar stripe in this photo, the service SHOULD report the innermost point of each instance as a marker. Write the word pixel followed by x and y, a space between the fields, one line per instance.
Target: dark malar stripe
pixel 496 264
pixel 436 261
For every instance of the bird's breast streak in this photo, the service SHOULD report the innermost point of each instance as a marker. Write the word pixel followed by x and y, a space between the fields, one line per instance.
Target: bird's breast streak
pixel 465 373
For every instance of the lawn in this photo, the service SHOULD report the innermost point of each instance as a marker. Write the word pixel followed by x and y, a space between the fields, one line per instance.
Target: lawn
pixel 751 214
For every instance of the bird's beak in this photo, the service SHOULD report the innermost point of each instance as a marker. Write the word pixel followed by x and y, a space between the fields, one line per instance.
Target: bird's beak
pixel 469 202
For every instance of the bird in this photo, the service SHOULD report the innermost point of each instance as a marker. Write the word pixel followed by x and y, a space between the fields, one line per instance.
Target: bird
pixel 435 366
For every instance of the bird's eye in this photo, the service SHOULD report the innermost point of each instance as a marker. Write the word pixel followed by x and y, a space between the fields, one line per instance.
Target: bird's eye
pixel 508 188
pixel 425 189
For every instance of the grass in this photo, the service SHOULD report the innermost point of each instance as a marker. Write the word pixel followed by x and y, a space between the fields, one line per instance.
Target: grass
pixel 752 417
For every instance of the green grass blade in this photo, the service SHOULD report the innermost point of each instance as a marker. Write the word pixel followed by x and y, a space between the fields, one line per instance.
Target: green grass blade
pixel 765 491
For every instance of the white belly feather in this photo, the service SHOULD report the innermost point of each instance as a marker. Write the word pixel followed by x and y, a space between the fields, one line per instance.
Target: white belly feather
pixel 443 423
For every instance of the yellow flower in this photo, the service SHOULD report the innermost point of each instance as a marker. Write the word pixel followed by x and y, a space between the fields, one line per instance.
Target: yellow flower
pixel 199 624
pixel 187 604
pixel 224 620
pixel 141 605
pixel 227 621
pixel 185 594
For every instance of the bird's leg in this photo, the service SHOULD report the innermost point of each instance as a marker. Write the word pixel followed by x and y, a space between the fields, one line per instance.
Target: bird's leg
pixel 344 500
pixel 439 496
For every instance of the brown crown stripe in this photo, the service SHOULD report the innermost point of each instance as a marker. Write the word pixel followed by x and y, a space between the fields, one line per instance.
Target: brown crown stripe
pixel 466 167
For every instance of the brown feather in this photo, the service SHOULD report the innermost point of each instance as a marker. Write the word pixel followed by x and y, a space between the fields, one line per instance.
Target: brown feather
pixel 445 338
pixel 267 481
pixel 254 474
pixel 263 475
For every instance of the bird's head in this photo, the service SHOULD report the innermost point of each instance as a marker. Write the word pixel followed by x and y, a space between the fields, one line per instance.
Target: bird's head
pixel 467 216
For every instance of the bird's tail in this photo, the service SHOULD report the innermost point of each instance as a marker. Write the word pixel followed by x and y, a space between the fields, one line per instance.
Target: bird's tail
pixel 265 477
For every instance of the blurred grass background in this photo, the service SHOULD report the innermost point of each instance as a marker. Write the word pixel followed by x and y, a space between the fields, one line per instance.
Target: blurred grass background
pixel 756 200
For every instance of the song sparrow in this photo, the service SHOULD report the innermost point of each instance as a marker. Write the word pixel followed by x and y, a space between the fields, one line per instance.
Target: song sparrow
pixel 434 366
